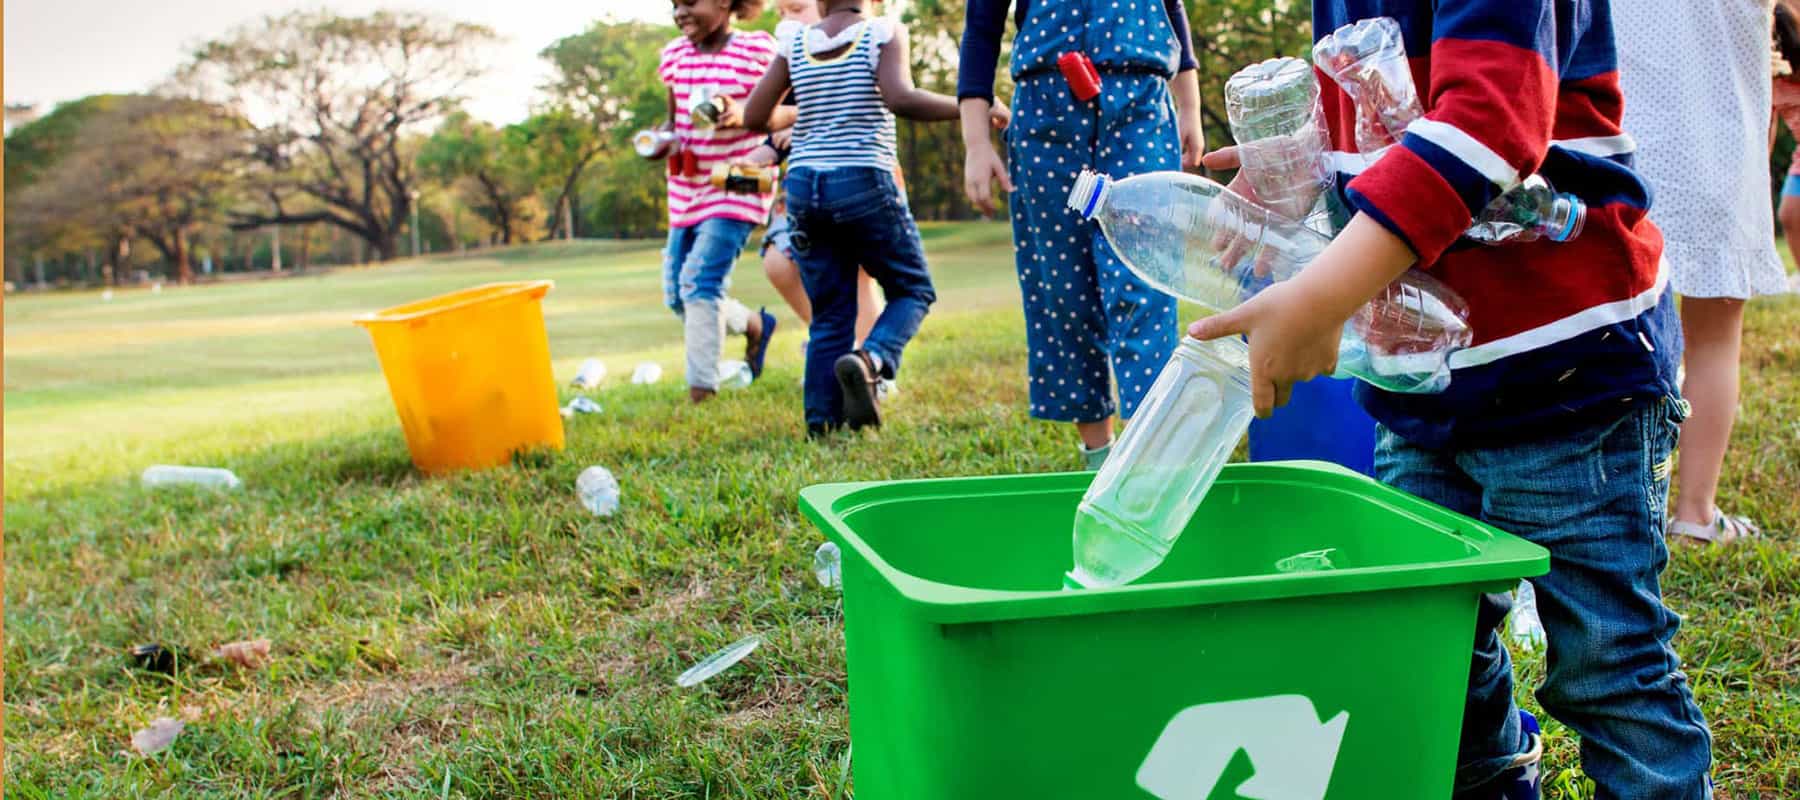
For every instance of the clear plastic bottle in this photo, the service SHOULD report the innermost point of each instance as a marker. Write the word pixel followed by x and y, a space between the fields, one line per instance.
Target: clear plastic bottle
pixel 162 475
pixel 599 491
pixel 735 375
pixel 1526 628
pixel 1190 237
pixel 1532 210
pixel 653 143
pixel 1163 465
pixel 1279 126
pixel 1367 59
pixel 593 371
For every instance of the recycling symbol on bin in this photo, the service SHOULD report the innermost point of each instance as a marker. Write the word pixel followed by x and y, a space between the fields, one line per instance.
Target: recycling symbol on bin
pixel 1292 751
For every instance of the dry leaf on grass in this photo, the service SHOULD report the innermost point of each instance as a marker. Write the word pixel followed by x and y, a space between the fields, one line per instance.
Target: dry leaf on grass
pixel 157 737
pixel 251 654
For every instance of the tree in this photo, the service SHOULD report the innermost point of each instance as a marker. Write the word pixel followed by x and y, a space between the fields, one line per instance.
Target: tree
pixel 560 144
pixel 160 167
pixel 490 167
pixel 339 96
pixel 39 223
pixel 605 88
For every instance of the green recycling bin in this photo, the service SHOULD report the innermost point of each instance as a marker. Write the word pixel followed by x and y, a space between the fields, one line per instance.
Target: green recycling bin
pixel 1219 675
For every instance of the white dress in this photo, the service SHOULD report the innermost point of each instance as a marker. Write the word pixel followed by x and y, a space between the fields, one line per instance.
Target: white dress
pixel 1695 74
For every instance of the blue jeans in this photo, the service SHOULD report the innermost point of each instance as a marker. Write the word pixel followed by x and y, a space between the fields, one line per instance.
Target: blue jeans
pixel 697 263
pixel 696 272
pixel 1597 499
pixel 841 219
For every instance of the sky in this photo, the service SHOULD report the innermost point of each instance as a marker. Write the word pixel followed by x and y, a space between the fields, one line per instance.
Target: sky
pixel 60 50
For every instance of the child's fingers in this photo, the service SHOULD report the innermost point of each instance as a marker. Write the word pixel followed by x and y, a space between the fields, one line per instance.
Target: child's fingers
pixel 1005 179
pixel 976 187
pixel 1262 396
pixel 1222 158
pixel 1222 324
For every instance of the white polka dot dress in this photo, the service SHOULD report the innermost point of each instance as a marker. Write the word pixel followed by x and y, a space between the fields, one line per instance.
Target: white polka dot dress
pixel 1697 91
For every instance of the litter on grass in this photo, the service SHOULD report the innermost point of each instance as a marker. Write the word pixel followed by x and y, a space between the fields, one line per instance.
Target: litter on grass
pixel 718 662
pixel 828 565
pixel 157 737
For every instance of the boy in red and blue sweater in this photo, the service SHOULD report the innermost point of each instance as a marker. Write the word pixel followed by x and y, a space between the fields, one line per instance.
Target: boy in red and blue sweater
pixel 1562 416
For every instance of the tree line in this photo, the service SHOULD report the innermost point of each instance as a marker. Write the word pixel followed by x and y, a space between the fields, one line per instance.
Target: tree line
pixel 314 138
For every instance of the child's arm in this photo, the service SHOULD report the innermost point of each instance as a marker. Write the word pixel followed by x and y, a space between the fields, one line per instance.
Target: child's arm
pixel 894 75
pixel 984 23
pixel 1493 95
pixel 760 108
pixel 1186 88
pixel 1294 326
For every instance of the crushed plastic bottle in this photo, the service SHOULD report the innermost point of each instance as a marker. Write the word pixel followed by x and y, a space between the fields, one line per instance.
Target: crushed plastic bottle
pixel 1532 210
pixel 653 143
pixel 163 475
pixel 735 375
pixel 646 373
pixel 593 371
pixel 1279 126
pixel 828 565
pixel 1163 465
pixel 1526 628
pixel 1310 561
pixel 1367 59
pixel 599 491
pixel 1190 237
pixel 580 405
pixel 718 662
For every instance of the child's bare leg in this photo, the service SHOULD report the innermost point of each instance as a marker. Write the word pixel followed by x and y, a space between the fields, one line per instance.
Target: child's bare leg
pixel 784 275
pixel 868 304
pixel 1713 327
pixel 1095 435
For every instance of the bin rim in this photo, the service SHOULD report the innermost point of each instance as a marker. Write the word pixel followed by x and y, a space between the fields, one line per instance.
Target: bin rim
pixel 454 301
pixel 1499 561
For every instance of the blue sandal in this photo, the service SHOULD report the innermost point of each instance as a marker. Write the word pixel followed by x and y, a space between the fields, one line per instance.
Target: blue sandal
pixel 757 352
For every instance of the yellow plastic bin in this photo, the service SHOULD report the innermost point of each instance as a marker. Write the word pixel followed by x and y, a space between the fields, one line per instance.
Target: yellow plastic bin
pixel 470 374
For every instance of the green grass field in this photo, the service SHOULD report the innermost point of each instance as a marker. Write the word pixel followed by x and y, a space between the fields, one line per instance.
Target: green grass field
pixel 482 636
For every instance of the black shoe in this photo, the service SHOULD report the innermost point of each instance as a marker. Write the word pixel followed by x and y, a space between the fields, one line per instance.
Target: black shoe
pixel 858 378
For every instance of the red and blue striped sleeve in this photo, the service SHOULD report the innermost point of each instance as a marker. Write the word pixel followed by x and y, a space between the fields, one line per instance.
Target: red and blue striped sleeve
pixel 1492 103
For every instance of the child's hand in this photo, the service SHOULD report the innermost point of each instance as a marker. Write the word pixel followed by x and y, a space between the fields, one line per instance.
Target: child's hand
pixel 1000 115
pixel 980 169
pixel 731 114
pixel 1292 336
pixel 1193 138
pixel 783 138
pixel 762 156
pixel 1230 219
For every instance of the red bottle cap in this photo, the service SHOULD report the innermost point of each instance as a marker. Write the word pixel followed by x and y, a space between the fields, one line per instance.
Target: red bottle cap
pixel 1084 80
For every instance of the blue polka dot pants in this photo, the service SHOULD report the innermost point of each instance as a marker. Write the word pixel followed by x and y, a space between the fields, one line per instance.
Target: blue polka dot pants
pixel 1088 320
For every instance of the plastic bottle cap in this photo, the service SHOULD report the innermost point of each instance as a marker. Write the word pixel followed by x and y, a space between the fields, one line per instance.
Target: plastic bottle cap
pixel 1089 192
pixel 1576 217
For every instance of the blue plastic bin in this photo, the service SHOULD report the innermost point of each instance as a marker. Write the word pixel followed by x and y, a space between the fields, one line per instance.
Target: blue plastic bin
pixel 1322 422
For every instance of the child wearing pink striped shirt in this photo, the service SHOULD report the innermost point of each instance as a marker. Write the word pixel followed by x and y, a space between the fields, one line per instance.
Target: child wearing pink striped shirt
pixel 707 225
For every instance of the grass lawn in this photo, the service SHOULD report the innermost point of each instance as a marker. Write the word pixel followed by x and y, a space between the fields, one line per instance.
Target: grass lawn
pixel 482 636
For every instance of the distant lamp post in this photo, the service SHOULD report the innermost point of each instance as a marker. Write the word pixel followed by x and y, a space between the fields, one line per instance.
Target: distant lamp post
pixel 415 223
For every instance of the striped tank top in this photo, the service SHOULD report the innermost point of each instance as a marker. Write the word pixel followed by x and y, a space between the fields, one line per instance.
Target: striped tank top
pixel 842 121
